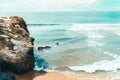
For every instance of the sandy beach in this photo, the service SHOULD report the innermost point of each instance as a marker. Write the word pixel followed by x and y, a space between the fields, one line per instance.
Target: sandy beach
pixel 67 76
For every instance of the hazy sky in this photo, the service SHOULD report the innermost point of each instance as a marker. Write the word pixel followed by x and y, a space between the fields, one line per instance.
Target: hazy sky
pixel 59 5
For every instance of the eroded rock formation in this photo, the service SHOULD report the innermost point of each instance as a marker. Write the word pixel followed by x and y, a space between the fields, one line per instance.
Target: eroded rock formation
pixel 16 46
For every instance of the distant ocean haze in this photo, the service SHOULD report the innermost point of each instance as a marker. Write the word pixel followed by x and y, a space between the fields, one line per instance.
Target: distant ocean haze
pixel 67 17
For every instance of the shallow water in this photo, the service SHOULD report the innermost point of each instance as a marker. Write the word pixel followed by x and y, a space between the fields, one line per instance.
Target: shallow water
pixel 88 47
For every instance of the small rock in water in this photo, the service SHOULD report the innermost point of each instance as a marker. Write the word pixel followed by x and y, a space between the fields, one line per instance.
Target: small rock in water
pixel 44 47
pixel 57 43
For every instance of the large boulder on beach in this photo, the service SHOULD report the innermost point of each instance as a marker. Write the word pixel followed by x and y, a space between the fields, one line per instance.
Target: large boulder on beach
pixel 16 45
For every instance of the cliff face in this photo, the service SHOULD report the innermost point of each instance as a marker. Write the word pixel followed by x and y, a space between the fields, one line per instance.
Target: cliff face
pixel 16 46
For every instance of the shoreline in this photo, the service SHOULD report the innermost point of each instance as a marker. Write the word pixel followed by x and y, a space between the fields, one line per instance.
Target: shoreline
pixel 43 75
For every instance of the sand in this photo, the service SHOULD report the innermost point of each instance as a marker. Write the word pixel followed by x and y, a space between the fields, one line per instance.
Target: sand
pixel 67 76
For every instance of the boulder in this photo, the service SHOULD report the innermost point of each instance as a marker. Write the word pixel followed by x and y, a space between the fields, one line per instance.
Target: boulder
pixel 44 47
pixel 16 45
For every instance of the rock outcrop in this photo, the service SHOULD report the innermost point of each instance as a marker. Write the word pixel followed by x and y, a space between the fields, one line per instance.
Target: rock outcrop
pixel 16 46
pixel 44 47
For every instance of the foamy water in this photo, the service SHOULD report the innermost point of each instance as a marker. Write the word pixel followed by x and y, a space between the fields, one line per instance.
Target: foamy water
pixel 83 47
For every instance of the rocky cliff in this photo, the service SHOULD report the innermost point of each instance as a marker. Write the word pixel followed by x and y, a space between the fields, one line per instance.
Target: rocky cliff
pixel 16 46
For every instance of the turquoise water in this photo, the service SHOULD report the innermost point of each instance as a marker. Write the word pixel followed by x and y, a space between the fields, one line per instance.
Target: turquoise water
pixel 88 41
pixel 67 17
pixel 88 47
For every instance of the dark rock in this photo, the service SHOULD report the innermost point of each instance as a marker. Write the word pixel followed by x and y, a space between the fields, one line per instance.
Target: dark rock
pixel 7 77
pixel 57 43
pixel 16 46
pixel 44 47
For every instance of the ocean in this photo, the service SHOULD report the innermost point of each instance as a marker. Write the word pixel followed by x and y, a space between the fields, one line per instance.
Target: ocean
pixel 88 41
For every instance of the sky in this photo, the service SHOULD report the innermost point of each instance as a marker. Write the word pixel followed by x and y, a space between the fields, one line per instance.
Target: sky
pixel 58 5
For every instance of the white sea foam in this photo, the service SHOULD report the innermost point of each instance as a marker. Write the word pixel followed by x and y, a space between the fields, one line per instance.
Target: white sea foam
pixel 77 27
pixel 43 28
pixel 94 38
pixel 117 32
pixel 49 27
pixel 111 54
pixel 104 65
pixel 91 34
pixel 94 43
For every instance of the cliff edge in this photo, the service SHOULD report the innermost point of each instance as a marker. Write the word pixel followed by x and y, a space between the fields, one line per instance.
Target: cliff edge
pixel 16 45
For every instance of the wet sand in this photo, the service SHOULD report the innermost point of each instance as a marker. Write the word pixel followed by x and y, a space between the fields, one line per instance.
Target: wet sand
pixel 67 76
